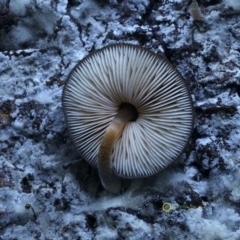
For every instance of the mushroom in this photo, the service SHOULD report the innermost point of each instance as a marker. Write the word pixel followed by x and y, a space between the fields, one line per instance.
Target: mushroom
pixel 128 111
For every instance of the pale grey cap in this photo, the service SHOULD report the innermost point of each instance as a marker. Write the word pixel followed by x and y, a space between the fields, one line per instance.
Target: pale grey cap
pixel 119 73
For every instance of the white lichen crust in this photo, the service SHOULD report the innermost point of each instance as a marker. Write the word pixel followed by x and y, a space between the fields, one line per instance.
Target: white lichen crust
pixel 125 73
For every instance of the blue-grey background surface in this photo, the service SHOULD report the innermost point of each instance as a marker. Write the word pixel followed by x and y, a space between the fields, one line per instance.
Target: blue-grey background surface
pixel 40 42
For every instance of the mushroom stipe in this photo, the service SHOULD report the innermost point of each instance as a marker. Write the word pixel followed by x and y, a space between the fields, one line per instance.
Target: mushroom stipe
pixel 110 181
pixel 128 111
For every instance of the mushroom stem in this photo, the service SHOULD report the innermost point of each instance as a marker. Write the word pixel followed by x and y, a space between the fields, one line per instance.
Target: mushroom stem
pixel 109 179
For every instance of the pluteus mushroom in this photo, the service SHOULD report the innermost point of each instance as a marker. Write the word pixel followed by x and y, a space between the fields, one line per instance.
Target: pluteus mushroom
pixel 128 111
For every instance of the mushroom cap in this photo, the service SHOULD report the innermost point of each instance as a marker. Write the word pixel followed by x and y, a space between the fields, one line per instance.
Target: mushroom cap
pixel 124 73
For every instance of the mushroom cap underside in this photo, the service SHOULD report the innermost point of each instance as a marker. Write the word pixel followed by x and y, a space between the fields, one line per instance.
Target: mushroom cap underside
pixel 124 73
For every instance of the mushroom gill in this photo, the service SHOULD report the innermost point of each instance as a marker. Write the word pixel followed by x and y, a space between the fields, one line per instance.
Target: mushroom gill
pixel 129 112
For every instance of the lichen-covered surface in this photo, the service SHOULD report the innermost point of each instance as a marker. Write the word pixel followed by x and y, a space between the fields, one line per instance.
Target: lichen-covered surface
pixel 47 191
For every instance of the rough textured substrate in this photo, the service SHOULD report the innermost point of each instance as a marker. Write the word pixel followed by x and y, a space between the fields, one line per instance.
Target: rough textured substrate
pixel 47 191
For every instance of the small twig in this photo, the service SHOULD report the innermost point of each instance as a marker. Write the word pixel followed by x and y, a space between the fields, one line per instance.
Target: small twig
pixel 195 11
